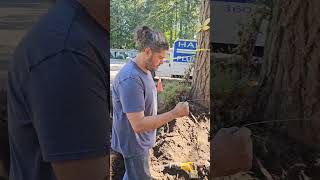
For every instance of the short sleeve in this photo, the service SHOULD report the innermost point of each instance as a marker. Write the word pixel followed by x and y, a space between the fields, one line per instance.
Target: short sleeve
pixel 131 94
pixel 69 106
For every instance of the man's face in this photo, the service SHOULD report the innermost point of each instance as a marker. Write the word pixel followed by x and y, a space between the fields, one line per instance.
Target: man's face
pixel 155 59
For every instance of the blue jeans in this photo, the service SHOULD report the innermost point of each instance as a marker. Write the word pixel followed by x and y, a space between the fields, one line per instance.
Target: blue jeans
pixel 137 168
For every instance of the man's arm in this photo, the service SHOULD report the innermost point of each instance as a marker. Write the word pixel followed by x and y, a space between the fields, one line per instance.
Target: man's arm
pixel 69 104
pixel 141 123
pixel 95 169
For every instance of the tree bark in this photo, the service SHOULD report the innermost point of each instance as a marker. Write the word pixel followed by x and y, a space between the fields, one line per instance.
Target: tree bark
pixel 290 77
pixel 201 74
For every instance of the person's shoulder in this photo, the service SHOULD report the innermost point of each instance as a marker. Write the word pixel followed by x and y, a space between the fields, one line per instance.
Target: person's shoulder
pixel 127 73
pixel 65 27
pixel 130 71
pixel 87 37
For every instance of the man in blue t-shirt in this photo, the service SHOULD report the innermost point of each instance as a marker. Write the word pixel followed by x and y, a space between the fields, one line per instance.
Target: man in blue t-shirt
pixel 134 96
pixel 58 95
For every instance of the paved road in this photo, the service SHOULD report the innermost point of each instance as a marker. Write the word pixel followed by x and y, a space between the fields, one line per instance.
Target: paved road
pixel 115 66
pixel 16 18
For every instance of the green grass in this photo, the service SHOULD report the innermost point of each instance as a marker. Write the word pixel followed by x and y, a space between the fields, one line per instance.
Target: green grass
pixel 174 92
pixel 226 86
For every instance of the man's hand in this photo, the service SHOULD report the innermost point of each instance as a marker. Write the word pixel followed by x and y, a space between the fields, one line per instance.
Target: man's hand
pixel 181 109
pixel 232 151
pixel 141 123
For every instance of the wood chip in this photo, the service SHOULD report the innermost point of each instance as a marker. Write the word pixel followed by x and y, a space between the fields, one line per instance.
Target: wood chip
pixel 194 118
pixel 264 171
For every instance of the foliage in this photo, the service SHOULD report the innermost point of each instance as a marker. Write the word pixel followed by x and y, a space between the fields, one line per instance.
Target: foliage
pixel 248 35
pixel 174 92
pixel 188 70
pixel 225 85
pixel 229 90
pixel 176 18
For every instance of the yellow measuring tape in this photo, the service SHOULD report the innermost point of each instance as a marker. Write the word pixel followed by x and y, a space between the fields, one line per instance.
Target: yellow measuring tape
pixel 202 49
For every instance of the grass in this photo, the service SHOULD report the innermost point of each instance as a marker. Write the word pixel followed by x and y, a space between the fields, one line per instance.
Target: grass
pixel 225 85
pixel 174 92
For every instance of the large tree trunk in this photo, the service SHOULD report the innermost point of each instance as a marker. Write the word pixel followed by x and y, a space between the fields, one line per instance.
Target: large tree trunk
pixel 290 81
pixel 201 74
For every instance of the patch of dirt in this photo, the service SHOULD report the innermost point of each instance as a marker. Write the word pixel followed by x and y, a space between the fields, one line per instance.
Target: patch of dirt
pixel 276 155
pixel 117 168
pixel 183 140
pixel 280 157
pixel 239 176
pixel 180 141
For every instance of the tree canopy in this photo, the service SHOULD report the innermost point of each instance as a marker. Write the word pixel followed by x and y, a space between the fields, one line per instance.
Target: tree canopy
pixel 178 19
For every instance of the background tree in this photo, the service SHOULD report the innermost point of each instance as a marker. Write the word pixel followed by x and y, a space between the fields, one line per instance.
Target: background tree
pixel 176 18
pixel 290 78
pixel 201 74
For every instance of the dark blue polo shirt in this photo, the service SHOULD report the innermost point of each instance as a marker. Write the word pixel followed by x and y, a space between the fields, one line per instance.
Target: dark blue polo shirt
pixel 58 93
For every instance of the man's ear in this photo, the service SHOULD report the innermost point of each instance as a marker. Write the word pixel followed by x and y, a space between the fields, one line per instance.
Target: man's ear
pixel 148 51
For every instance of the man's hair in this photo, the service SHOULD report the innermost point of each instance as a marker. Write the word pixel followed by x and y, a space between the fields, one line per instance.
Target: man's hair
pixel 144 37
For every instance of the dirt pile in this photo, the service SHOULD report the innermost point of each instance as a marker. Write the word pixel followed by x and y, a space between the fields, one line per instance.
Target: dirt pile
pixel 280 157
pixel 183 140
pixel 117 168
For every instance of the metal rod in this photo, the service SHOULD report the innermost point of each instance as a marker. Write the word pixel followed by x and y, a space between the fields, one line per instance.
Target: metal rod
pixel 193 100
pixel 272 121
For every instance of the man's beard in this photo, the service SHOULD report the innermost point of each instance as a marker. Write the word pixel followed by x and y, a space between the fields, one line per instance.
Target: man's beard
pixel 149 65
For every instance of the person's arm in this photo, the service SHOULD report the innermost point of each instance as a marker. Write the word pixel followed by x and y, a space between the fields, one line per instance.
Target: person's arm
pixel 131 96
pixel 69 105
pixel 141 123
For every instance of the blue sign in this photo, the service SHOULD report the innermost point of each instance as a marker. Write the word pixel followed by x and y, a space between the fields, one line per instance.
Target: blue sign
pixel 184 50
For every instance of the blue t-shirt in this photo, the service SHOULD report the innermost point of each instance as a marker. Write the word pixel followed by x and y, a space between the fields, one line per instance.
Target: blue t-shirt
pixel 133 90
pixel 58 93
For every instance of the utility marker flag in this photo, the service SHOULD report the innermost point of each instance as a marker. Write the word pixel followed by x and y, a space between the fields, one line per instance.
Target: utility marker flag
pixel 159 86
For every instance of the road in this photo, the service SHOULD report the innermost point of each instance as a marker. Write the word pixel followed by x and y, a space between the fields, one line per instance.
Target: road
pixel 16 18
pixel 115 66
